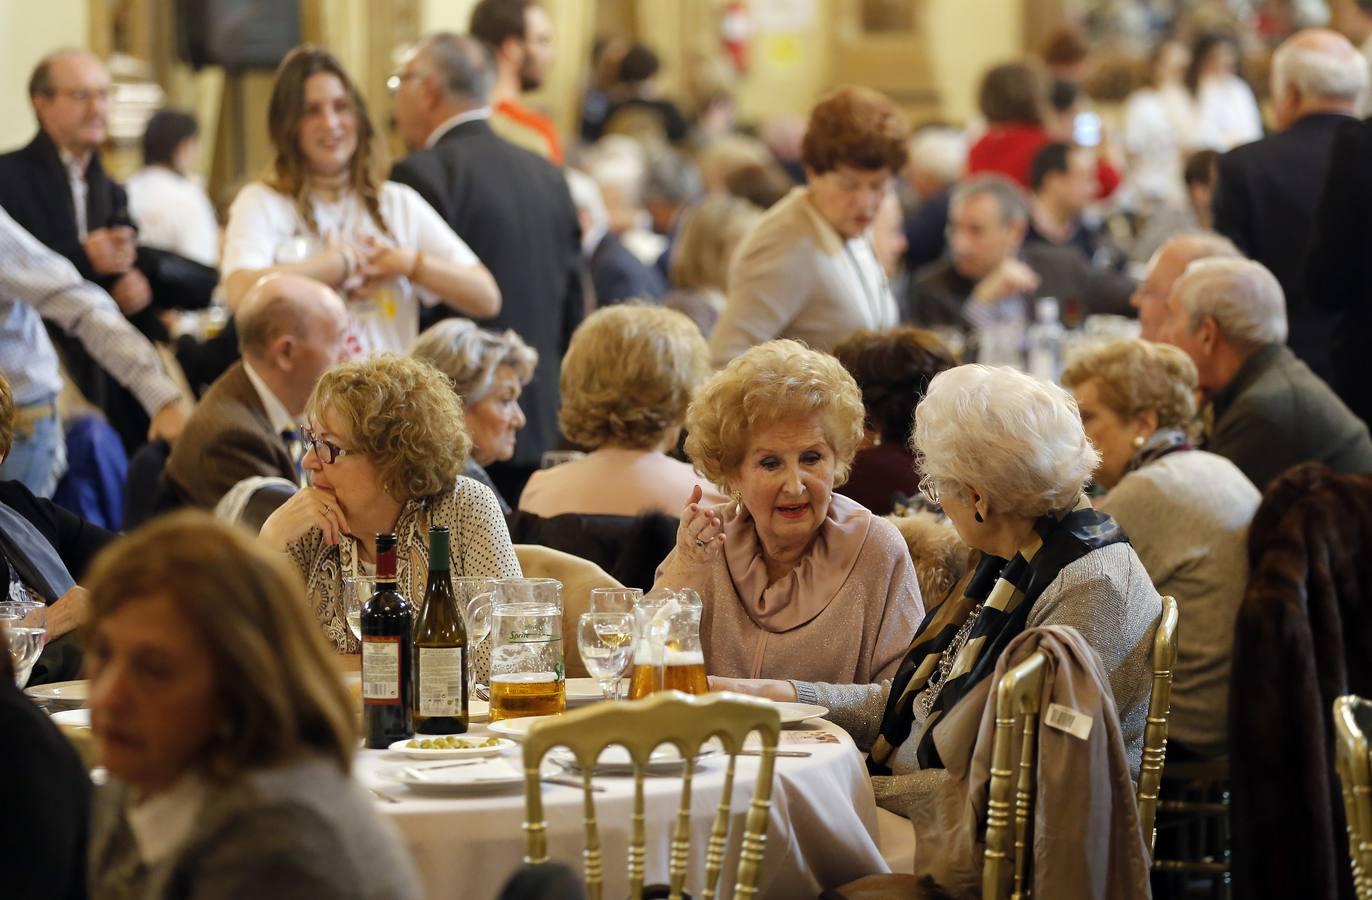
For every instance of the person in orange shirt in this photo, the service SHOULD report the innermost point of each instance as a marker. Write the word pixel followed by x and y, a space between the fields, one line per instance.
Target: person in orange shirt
pixel 519 34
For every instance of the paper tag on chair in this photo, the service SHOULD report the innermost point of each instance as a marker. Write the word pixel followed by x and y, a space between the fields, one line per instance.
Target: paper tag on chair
pixel 1064 718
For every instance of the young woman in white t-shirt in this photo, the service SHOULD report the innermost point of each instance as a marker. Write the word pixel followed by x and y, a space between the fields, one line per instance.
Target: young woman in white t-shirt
pixel 326 212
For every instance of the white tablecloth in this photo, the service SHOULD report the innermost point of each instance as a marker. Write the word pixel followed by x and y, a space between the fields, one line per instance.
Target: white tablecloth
pixel 822 831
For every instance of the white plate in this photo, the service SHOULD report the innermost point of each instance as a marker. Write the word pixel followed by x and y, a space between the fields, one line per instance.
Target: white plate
pixel 584 691
pixel 481 776
pixel 66 691
pixel 76 718
pixel 516 728
pixel 452 753
pixel 615 760
pixel 795 713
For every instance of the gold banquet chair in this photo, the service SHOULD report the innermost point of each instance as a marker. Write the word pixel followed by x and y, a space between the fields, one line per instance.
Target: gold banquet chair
pixel 1006 868
pixel 1352 725
pixel 1155 732
pixel 669 717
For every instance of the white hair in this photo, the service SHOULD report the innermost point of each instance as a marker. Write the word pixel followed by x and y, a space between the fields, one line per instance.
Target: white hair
pixel 587 198
pixel 620 164
pixel 1018 440
pixel 941 152
pixel 1243 297
pixel 470 356
pixel 1318 73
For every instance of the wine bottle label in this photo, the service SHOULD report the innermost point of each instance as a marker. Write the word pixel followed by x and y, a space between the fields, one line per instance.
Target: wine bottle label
pixel 381 670
pixel 440 681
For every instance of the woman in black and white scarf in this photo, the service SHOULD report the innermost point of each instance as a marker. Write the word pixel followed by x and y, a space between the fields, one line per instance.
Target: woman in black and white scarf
pixel 1006 457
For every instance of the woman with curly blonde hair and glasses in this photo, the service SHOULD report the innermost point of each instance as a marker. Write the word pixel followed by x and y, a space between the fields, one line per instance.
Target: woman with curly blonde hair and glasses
pixel 797 581
pixel 386 446
pixel 325 211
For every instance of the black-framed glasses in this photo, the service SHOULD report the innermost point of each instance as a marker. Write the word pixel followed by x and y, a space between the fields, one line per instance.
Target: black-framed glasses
pixel 928 486
pixel 327 451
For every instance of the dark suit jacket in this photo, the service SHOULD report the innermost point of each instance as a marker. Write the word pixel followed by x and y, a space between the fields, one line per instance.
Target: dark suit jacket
pixel 76 541
pixel 227 438
pixel 938 292
pixel 1275 413
pixel 513 209
pixel 617 275
pixel 1265 202
pixel 35 191
pixel 1339 274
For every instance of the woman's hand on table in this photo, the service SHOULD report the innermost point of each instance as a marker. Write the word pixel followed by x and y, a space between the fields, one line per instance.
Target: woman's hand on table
pixel 700 536
pixel 768 688
pixel 307 509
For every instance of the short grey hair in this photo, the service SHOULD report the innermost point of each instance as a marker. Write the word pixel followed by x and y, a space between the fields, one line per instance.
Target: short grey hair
pixel 586 197
pixel 1319 73
pixel 470 356
pixel 1016 439
pixel 942 152
pixel 1196 245
pixel 1244 298
pixel 462 65
pixel 1009 198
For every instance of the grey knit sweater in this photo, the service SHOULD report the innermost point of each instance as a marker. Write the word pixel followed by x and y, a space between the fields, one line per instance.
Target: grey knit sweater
pixel 1106 595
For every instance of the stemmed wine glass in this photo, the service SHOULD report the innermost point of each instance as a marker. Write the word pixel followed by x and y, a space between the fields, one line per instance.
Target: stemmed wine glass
pixel 606 642
pixel 474 597
pixel 26 629
pixel 357 589
pixel 619 600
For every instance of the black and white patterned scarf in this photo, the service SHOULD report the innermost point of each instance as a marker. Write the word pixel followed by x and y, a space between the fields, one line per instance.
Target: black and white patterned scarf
pixel 1002 594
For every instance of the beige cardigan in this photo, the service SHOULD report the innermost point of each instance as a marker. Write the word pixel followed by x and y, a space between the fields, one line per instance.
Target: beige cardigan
pixel 795 277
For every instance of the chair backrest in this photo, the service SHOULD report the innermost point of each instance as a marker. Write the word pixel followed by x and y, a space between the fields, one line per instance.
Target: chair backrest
pixel 669 717
pixel 629 548
pixel 578 576
pixel 1155 732
pixel 1007 871
pixel 1352 725
pixel 251 501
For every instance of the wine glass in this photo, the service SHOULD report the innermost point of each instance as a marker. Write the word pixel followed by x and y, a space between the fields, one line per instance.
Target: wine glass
pixel 357 589
pixel 473 597
pixel 26 629
pixel 606 642
pixel 620 600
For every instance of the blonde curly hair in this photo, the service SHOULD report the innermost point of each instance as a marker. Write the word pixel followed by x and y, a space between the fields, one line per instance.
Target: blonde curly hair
pixel 778 381
pixel 628 376
pixel 403 415
pixel 1134 376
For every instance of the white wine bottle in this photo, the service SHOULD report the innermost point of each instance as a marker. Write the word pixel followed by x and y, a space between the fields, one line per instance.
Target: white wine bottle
pixel 440 696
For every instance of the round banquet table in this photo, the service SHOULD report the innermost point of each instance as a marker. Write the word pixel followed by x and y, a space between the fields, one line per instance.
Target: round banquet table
pixel 822 829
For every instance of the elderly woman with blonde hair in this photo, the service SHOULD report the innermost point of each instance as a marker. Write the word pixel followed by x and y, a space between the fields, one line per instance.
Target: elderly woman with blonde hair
pixel 627 378
pixel 1006 456
pixel 386 445
pixel 797 581
pixel 1186 513
pixel 488 370
pixel 227 732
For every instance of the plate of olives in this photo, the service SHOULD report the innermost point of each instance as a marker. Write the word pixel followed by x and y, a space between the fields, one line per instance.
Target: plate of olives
pixel 450 746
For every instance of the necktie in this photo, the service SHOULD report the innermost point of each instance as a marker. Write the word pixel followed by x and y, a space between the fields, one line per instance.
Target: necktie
pixel 296 448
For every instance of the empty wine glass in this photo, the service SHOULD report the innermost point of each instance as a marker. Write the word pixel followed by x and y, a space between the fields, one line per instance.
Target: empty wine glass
pixel 606 642
pixel 473 597
pixel 26 629
pixel 619 600
pixel 357 589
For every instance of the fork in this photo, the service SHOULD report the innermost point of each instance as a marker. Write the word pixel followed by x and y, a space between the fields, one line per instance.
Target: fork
pixel 482 692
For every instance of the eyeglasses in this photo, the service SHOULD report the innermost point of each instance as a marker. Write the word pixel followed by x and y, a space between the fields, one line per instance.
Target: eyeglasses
pixel 83 95
pixel 327 451
pixel 928 486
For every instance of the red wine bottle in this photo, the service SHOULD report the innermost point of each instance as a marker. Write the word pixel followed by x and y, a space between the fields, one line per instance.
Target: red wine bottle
pixel 387 653
pixel 440 642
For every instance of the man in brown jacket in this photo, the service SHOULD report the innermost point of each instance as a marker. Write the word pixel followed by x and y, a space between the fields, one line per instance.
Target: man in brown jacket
pixel 290 330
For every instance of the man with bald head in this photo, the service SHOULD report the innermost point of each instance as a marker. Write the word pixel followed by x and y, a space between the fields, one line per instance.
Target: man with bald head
pixel 290 330
pixel 1267 192
pixel 1166 266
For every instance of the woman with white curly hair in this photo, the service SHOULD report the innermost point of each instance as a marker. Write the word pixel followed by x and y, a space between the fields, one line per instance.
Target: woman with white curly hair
pixel 1006 457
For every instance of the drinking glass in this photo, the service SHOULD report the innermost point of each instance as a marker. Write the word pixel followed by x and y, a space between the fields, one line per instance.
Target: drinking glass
pixel 474 597
pixel 606 642
pixel 614 600
pixel 528 675
pixel 357 589
pixel 26 629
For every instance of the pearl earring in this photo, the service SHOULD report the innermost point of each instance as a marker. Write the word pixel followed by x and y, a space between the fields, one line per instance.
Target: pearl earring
pixel 1138 440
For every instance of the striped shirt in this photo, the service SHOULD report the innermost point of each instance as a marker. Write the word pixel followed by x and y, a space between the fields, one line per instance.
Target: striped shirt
pixel 37 283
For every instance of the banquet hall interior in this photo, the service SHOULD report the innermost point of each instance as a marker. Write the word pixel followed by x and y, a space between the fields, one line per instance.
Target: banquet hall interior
pixel 837 449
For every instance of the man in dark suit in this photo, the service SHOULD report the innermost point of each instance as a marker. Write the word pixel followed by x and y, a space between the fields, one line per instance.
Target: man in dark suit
pixel 1268 410
pixel 57 189
pixel 616 274
pixel 290 330
pixel 991 275
pixel 1267 191
pixel 512 208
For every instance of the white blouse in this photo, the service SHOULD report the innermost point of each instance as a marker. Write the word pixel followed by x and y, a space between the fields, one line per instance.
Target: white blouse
pixel 174 213
pixel 266 229
pixel 1228 114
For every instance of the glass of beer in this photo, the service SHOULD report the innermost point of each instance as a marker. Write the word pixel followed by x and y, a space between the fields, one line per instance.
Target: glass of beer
pixel 668 654
pixel 527 673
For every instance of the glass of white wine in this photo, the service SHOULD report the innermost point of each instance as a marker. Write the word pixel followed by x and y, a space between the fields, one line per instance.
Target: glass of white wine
pixel 357 589
pixel 606 642
pixel 26 629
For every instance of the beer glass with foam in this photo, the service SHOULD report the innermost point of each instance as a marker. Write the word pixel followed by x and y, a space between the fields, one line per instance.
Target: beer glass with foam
pixel 527 673
pixel 668 655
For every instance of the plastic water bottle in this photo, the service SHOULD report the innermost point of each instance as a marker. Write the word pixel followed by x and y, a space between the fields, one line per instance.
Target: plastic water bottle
pixel 1045 341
